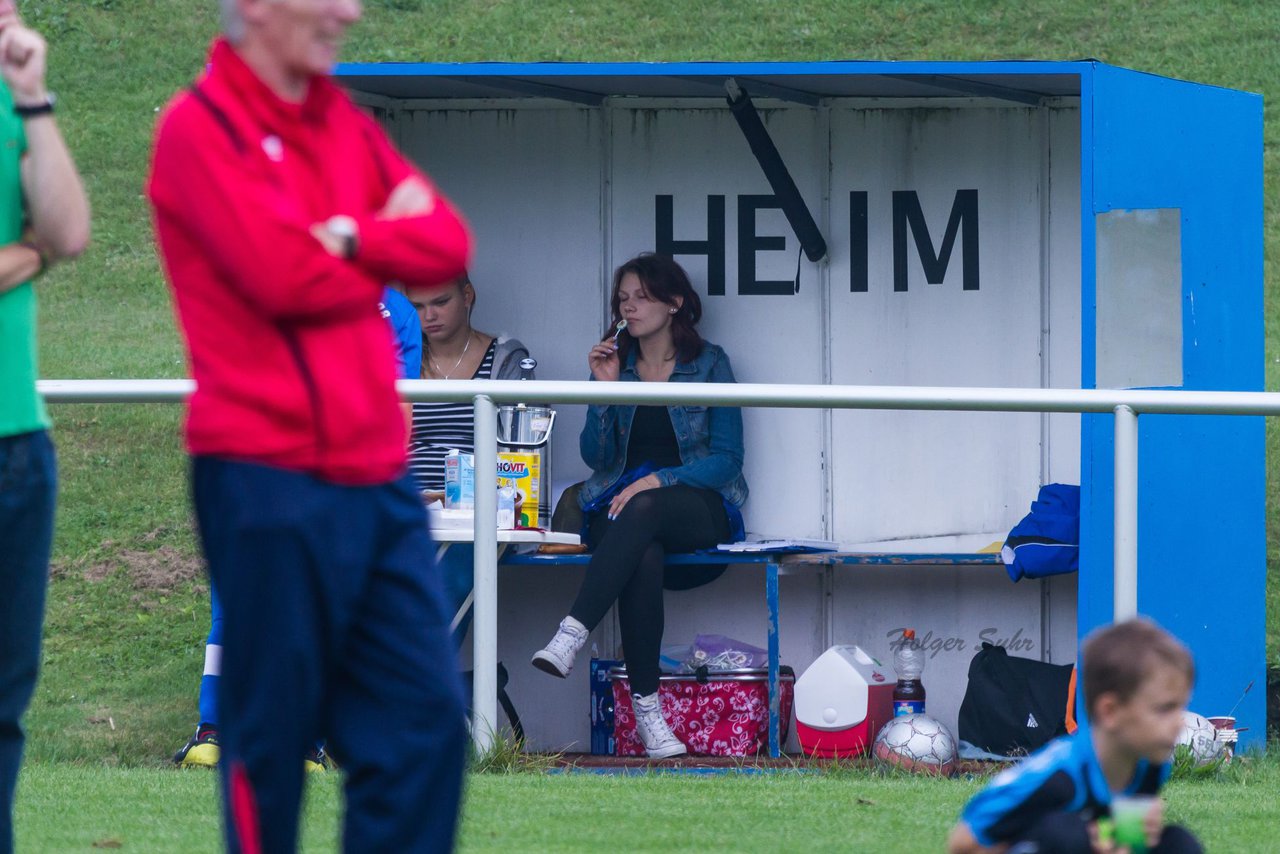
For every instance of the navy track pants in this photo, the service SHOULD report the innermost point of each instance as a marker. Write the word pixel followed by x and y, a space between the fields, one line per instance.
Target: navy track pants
pixel 334 625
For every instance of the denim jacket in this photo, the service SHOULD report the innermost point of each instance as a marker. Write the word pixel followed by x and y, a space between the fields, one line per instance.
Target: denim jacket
pixel 710 438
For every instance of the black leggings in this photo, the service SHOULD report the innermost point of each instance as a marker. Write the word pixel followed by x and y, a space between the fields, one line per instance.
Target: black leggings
pixel 627 567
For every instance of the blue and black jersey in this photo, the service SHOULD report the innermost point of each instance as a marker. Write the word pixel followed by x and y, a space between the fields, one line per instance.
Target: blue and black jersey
pixel 1063 776
pixel 403 317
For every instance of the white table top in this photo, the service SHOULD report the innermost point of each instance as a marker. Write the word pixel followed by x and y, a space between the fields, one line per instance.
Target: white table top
pixel 466 535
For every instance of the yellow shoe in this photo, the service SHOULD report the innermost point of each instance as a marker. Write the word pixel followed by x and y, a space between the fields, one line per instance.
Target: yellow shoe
pixel 316 761
pixel 202 750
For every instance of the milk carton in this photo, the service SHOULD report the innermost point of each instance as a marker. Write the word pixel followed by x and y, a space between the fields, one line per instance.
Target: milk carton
pixel 459 481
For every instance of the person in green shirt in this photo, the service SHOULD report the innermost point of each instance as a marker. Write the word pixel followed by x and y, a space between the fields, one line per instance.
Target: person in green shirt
pixel 44 217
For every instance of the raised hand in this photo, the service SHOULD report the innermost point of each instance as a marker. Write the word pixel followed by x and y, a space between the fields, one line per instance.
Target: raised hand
pixel 22 60
pixel 603 361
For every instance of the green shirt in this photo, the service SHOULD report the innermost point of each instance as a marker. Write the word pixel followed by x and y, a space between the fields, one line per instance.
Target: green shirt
pixel 21 409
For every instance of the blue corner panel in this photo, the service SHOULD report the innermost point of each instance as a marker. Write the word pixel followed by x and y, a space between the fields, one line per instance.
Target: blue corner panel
pixel 1151 142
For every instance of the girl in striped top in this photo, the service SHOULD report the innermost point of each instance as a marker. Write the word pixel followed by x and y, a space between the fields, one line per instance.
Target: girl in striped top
pixel 452 350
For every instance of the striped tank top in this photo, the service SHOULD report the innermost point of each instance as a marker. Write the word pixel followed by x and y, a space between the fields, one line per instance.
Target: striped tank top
pixel 441 427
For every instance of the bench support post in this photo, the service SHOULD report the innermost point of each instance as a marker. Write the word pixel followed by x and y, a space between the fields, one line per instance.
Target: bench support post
pixel 775 694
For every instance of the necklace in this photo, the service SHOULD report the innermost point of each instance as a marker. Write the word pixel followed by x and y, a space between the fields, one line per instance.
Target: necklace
pixel 436 367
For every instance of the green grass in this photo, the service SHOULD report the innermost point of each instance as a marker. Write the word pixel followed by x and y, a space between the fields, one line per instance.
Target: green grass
pixel 124 648
pixel 64 808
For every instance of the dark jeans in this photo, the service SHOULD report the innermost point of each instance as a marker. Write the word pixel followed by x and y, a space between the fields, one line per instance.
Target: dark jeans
pixel 28 484
pixel 334 625
pixel 1067 833
pixel 627 567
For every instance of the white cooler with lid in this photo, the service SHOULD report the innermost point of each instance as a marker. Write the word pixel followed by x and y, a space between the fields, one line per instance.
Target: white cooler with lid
pixel 842 700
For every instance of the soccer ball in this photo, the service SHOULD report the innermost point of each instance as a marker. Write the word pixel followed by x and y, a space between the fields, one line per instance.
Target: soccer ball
pixel 1200 739
pixel 916 743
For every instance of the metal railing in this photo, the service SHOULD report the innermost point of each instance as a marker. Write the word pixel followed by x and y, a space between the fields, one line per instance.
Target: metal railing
pixel 1125 405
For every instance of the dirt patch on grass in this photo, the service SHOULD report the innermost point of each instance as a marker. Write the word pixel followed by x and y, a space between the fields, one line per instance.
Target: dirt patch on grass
pixel 159 571
pixel 153 570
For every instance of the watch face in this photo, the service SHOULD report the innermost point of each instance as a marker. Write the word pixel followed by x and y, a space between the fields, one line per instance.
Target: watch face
pixel 341 226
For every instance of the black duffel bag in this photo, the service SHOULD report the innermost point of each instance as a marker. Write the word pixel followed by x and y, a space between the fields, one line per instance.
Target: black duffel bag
pixel 1012 705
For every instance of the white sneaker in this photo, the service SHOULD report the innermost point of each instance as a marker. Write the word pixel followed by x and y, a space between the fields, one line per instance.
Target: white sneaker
pixel 659 741
pixel 557 657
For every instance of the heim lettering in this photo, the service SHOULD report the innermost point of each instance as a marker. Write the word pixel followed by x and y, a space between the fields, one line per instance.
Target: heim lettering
pixel 908 218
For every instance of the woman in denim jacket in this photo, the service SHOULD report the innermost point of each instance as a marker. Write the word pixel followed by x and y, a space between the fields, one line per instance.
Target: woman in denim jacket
pixel 665 478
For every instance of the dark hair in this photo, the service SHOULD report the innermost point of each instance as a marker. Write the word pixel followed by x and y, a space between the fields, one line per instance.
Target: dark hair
pixel 665 281
pixel 1118 659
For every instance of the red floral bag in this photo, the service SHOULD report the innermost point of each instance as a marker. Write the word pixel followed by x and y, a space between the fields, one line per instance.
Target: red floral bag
pixel 728 715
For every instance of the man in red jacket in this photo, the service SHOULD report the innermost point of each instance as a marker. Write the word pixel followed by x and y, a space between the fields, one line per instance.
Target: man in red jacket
pixel 280 211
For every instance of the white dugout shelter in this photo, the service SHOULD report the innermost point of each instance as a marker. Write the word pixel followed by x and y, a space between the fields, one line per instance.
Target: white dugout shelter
pixel 1006 224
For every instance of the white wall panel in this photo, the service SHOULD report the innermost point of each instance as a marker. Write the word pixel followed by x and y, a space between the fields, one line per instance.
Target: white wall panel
pixel 913 474
pixel 528 182
pixel 533 184
pixel 690 155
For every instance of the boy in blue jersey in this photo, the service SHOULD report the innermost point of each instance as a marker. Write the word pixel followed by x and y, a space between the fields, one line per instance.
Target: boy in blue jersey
pixel 1137 680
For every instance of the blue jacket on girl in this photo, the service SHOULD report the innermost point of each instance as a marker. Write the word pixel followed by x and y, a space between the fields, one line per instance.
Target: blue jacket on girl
pixel 710 438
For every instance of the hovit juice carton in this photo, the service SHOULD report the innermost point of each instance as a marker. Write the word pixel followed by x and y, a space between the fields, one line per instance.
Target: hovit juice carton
pixel 524 472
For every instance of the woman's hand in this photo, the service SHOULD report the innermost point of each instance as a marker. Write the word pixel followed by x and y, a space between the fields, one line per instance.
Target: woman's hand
pixel 649 481
pixel 603 360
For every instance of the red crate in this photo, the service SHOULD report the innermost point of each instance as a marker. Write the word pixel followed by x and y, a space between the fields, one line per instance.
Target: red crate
pixel 728 715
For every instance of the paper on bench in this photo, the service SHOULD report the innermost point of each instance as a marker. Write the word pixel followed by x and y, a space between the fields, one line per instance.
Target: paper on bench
pixel 783 545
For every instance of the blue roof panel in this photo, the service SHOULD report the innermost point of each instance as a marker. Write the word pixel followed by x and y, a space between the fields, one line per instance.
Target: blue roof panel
pixel 1026 81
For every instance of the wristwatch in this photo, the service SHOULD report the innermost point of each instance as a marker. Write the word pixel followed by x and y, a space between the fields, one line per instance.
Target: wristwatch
pixel 28 111
pixel 344 227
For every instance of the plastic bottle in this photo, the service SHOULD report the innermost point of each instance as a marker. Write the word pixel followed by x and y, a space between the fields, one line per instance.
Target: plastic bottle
pixel 908 662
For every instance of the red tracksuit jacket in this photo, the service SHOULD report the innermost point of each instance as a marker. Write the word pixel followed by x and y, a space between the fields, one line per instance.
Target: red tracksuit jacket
pixel 294 366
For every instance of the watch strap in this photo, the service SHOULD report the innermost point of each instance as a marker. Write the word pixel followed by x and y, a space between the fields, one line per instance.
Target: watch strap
pixel 28 111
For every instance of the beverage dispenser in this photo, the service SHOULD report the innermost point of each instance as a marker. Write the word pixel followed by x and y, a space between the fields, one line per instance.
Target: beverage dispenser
pixel 524 454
